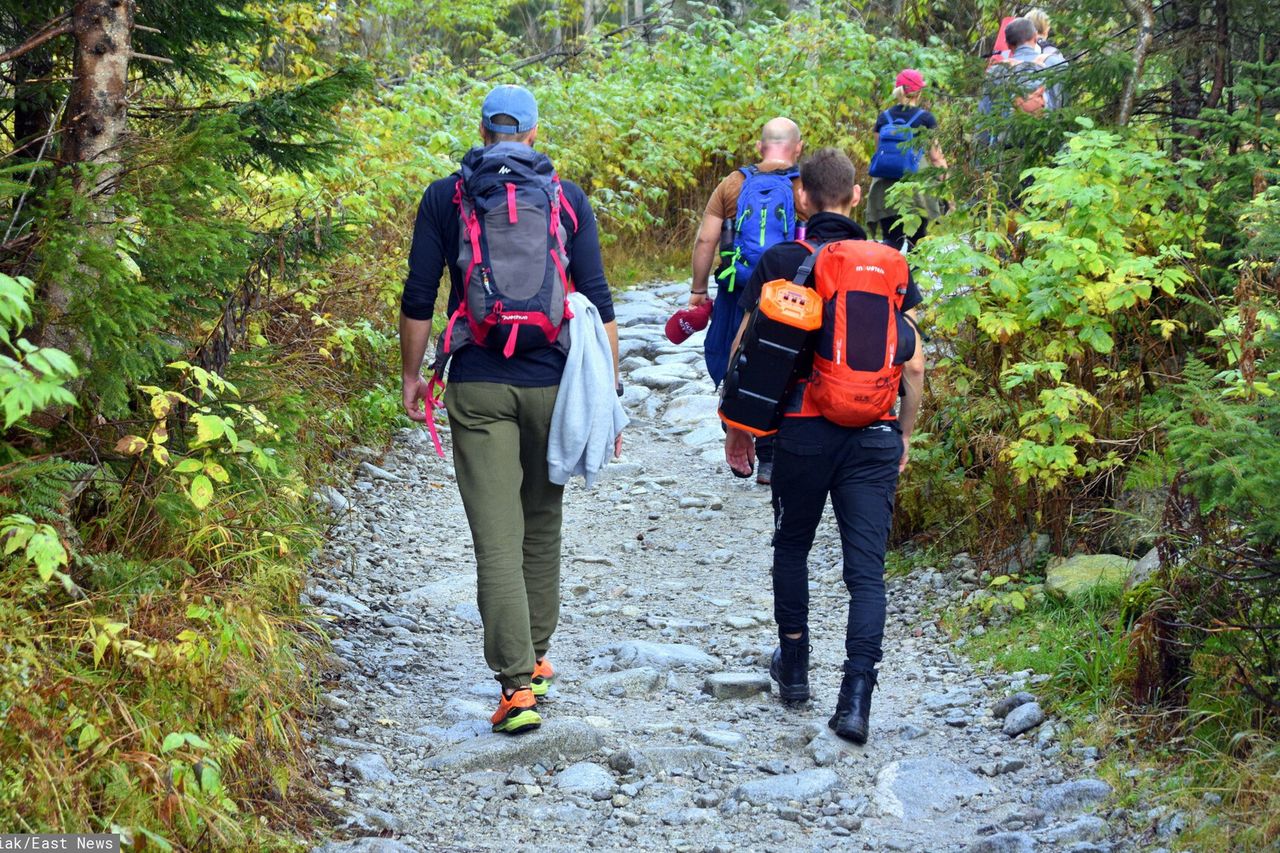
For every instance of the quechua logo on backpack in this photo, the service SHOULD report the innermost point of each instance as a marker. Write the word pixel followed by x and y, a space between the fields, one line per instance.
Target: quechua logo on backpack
pixel 766 215
pixel 512 252
pixel 855 381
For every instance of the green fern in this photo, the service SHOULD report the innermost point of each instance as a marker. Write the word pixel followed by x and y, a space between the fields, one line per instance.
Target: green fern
pixel 41 488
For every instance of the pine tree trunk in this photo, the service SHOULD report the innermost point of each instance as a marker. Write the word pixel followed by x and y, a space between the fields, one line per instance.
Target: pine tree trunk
pixel 1145 19
pixel 92 133
pixel 97 112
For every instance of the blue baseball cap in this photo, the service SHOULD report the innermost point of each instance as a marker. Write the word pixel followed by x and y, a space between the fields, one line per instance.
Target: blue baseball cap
pixel 515 101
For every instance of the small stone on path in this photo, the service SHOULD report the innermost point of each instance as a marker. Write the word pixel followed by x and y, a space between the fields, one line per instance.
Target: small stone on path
pixel 1001 709
pixel 1023 718
pixel 371 767
pixel 737 685
pixel 1074 796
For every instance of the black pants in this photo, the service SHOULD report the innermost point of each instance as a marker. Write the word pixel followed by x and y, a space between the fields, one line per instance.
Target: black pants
pixel 894 235
pixel 859 469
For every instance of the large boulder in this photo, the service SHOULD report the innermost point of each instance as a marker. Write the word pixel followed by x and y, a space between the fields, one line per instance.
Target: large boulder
pixel 1144 569
pixel 1133 525
pixel 1083 574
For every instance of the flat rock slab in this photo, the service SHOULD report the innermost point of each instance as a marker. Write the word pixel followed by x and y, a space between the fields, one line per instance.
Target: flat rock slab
pixel 557 739
pixel 920 788
pixel 720 738
pixel 779 790
pixel 693 409
pixel 1003 842
pixel 1074 796
pixel 366 845
pixel 640 681
pixel 1086 828
pixel 737 685
pixel 660 656
pixel 587 779
pixel 371 767
pixel 661 376
pixel 646 761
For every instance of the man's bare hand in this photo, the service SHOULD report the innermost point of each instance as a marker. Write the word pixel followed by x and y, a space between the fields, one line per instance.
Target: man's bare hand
pixel 906 451
pixel 740 450
pixel 414 394
pixel 617 447
pixel 697 298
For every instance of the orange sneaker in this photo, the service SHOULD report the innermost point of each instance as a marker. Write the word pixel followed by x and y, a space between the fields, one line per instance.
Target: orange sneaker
pixel 543 675
pixel 516 713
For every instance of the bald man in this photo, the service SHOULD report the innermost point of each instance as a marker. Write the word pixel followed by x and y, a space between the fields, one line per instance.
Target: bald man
pixel 779 149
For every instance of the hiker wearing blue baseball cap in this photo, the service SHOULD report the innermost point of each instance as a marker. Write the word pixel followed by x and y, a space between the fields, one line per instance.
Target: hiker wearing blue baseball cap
pixel 516 241
pixel 509 110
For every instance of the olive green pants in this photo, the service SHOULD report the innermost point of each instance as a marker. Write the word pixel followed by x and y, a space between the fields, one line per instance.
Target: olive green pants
pixel 500 454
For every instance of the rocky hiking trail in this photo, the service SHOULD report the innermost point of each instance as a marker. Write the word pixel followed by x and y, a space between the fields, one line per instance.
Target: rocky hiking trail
pixel 662 732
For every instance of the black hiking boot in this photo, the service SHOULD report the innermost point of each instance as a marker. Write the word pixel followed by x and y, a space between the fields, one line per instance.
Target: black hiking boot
pixel 790 668
pixel 852 719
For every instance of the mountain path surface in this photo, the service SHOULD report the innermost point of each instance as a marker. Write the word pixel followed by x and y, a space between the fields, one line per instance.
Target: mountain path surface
pixel 662 731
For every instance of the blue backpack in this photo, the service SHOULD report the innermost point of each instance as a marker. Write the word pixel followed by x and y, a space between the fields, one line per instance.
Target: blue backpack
pixel 895 155
pixel 766 215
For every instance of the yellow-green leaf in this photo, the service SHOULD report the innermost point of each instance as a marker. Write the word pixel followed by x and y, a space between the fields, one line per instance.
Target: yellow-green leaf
pixel 217 472
pixel 188 466
pixel 161 405
pixel 161 454
pixel 88 736
pixel 172 741
pixel 209 428
pixel 201 491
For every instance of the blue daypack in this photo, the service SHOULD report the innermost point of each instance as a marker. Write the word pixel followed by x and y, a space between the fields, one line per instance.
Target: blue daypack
pixel 766 215
pixel 895 155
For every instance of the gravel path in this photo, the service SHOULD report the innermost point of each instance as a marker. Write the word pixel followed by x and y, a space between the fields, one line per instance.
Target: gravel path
pixel 661 732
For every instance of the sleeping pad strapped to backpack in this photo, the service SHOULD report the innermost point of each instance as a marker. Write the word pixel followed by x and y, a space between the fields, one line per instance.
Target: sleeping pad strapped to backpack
pixel 854 379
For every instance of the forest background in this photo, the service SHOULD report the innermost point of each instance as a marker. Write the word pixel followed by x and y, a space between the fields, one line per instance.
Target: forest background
pixel 206 208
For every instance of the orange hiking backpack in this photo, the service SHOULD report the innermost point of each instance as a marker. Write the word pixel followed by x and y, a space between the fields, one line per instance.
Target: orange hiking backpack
pixel 854 381
pixel 1032 102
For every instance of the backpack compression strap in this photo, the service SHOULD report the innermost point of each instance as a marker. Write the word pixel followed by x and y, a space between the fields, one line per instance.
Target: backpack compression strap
pixel 911 121
pixel 806 267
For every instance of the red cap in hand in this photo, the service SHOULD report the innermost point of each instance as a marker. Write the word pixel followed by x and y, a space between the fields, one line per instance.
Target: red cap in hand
pixel 686 321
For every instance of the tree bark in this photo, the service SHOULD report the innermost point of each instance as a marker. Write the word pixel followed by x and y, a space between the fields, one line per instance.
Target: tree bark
pixel 94 127
pixel 588 16
pixel 97 112
pixel 1144 15
pixel 1187 93
pixel 1222 41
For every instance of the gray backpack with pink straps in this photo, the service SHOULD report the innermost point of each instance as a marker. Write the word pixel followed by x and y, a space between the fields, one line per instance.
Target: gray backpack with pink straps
pixel 512 251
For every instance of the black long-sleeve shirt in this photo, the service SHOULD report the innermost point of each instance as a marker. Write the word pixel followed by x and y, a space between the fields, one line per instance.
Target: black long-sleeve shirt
pixel 435 246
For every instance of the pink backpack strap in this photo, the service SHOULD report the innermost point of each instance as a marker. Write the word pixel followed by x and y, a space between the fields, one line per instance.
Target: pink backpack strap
pixel 435 400
pixel 564 202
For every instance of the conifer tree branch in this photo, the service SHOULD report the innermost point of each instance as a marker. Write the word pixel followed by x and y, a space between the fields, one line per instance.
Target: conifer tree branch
pixel 59 26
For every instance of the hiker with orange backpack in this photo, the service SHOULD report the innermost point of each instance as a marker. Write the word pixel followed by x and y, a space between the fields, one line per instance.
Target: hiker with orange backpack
pixel 843 432
pixel 516 241
pixel 1025 76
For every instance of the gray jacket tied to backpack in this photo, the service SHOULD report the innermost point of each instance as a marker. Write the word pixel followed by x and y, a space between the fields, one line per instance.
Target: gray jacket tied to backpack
pixel 588 415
